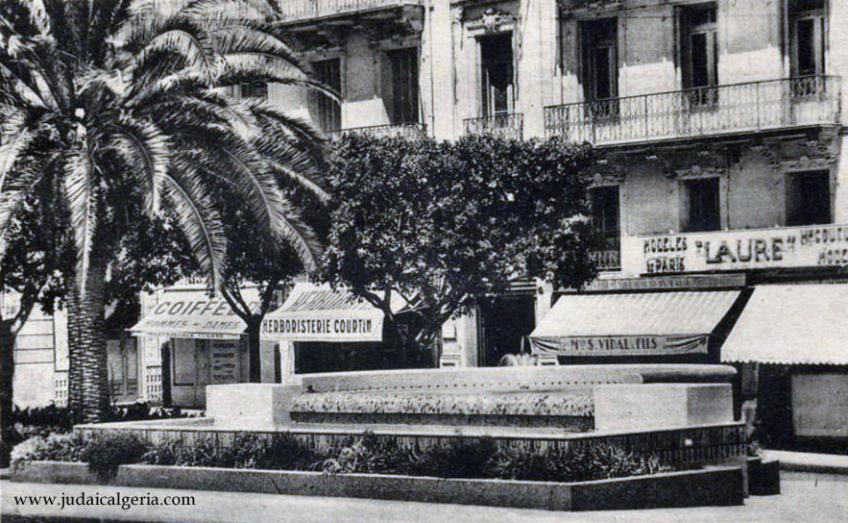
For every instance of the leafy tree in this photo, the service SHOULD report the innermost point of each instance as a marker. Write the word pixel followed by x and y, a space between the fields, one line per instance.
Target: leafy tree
pixel 447 224
pixel 270 267
pixel 116 100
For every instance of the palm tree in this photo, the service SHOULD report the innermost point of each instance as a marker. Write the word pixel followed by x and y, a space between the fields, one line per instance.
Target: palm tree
pixel 113 101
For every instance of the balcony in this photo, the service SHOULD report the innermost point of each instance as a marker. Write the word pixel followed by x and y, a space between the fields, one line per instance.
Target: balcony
pixel 726 109
pixel 409 131
pixel 303 10
pixel 608 260
pixel 507 125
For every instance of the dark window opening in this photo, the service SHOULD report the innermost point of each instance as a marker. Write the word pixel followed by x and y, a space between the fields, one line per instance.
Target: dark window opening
pixel 600 58
pixel 506 321
pixel 497 90
pixel 808 198
pixel 704 205
pixel 258 90
pixel 808 31
pixel 328 72
pixel 605 217
pixel 699 47
pixel 404 70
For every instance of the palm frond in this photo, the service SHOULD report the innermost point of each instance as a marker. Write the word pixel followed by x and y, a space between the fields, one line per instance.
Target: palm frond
pixel 198 219
pixel 143 145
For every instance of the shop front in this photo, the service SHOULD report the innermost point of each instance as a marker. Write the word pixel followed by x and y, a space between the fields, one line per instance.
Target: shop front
pixel 319 329
pixel 190 340
pixel 791 343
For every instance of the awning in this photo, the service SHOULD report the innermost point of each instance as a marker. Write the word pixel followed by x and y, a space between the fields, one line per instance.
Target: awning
pixel 191 315
pixel 633 324
pixel 318 313
pixel 792 324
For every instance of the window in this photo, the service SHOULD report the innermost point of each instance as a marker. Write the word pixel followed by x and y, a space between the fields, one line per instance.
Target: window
pixel 600 58
pixel 699 48
pixel 257 90
pixel 808 30
pixel 605 210
pixel 703 205
pixel 404 89
pixel 497 91
pixel 328 72
pixel 808 198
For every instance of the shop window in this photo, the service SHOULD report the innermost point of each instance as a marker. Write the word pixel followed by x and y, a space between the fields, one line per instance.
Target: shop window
pixel 699 57
pixel 122 369
pixel 497 89
pixel 808 198
pixel 329 73
pixel 599 41
pixel 605 217
pixel 403 64
pixel 254 90
pixel 703 201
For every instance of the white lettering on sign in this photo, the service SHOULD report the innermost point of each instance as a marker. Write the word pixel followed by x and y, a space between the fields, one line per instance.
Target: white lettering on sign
pixel 825 245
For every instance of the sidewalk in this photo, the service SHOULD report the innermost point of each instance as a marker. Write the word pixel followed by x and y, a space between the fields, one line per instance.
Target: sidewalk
pixel 805 498
pixel 810 462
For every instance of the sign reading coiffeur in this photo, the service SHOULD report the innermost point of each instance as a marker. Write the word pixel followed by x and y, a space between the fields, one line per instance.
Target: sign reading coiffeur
pixel 813 246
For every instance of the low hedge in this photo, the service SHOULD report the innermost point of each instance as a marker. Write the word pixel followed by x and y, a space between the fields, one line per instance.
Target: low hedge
pixel 471 459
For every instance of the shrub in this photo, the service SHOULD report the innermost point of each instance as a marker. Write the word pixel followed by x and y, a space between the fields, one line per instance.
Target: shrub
pixel 455 459
pixel 368 454
pixel 55 447
pixel 105 454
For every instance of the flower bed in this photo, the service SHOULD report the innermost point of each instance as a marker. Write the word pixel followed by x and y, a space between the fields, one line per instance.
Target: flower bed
pixel 561 403
pixel 478 458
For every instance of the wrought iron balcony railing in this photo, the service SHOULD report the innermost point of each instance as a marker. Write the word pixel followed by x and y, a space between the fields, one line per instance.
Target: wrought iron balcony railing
pixel 410 131
pixel 608 260
pixel 753 106
pixel 293 10
pixel 506 125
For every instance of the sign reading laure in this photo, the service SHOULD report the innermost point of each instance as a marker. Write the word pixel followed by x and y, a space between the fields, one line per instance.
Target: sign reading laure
pixel 815 246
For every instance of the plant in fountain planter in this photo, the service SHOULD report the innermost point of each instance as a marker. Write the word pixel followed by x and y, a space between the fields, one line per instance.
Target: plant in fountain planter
pixel 105 455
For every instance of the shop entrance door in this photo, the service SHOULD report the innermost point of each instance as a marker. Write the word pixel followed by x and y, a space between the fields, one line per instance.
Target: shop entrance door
pixel 505 322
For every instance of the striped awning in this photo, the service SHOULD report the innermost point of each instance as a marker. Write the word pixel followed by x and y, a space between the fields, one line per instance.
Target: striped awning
pixel 632 324
pixel 792 324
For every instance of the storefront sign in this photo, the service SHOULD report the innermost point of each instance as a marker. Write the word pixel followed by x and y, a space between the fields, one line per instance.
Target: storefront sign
pixel 621 345
pixel 320 314
pixel 224 361
pixel 813 246
pixel 191 318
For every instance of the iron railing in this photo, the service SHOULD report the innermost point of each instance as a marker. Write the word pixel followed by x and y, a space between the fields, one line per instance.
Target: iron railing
pixel 410 131
pixel 505 125
pixel 608 260
pixel 752 106
pixel 292 10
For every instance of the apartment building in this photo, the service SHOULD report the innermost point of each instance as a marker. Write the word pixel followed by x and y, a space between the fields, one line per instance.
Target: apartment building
pixel 720 199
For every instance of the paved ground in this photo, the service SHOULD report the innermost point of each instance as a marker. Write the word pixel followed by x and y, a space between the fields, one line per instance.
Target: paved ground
pixel 806 498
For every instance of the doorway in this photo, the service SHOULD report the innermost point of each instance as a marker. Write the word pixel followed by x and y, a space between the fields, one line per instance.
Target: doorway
pixel 506 320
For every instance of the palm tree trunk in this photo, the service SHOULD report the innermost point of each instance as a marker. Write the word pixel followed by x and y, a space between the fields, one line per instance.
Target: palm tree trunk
pixel 7 376
pixel 88 383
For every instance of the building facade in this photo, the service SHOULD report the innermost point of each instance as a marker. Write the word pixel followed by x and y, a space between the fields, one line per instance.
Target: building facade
pixel 721 128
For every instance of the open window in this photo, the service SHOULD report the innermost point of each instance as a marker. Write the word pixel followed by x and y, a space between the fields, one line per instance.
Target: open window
pixel 497 88
pixel 605 217
pixel 703 212
pixel 403 68
pixel 599 51
pixel 329 111
pixel 699 54
pixel 808 198
pixel 808 33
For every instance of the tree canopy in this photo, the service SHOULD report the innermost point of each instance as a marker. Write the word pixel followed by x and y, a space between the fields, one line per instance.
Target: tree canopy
pixel 446 224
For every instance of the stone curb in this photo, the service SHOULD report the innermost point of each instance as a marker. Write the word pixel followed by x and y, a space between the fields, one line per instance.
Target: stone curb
pixel 809 462
pixel 718 486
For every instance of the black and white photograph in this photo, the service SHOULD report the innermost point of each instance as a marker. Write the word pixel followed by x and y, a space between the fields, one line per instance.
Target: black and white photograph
pixel 425 261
